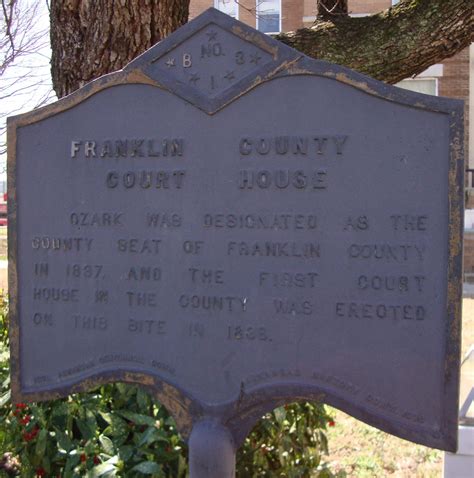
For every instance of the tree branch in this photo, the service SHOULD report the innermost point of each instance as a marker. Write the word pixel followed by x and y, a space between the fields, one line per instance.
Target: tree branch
pixel 8 15
pixel 328 9
pixel 398 43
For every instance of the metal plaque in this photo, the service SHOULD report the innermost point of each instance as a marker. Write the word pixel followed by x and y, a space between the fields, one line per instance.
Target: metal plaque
pixel 235 226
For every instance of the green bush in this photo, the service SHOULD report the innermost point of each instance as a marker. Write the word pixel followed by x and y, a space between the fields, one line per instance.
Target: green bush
pixel 119 430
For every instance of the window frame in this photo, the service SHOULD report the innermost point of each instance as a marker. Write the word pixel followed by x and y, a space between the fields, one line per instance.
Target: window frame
pixel 216 6
pixel 422 78
pixel 259 2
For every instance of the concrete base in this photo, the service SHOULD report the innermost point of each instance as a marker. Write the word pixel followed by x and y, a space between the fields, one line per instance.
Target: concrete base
pixel 461 464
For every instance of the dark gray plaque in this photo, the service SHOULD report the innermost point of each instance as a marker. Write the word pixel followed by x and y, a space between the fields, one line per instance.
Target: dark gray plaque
pixel 235 226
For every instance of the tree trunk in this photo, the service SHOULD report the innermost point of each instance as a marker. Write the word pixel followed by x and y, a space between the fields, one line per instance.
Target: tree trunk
pixel 92 38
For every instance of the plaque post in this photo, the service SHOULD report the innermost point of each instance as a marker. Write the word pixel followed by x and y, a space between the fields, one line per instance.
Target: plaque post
pixel 211 451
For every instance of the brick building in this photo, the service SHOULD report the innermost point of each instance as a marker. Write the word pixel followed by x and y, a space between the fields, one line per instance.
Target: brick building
pixel 450 78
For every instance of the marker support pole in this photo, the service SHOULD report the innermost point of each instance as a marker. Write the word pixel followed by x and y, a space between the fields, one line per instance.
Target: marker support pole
pixel 211 451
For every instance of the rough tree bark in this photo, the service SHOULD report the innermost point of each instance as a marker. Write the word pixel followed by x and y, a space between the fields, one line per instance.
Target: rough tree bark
pixel 395 44
pixel 90 38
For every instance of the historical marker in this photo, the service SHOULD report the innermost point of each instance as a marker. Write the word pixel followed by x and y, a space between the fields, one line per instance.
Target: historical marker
pixel 235 226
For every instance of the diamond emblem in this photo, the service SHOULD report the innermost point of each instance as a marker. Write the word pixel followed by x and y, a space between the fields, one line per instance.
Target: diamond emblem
pixel 212 61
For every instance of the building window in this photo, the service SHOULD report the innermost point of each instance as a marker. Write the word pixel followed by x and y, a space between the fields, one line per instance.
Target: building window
pixel 428 86
pixel 230 7
pixel 269 16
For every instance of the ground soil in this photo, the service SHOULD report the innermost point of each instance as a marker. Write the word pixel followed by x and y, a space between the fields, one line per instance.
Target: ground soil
pixel 357 450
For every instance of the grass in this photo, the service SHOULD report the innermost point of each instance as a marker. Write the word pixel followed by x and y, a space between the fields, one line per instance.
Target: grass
pixel 357 450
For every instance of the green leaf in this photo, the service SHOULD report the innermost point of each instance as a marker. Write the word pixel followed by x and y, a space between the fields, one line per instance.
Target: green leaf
pixel 67 472
pixel 293 428
pixel 125 392
pixel 118 426
pixel 61 415
pixel 182 466
pixel 324 443
pixel 122 388
pixel 126 452
pixel 85 429
pixel 107 417
pixel 143 400
pixel 64 442
pixel 5 398
pixel 280 414
pixel 106 469
pixel 71 463
pixel 107 444
pixel 4 355
pixel 41 444
pixel 147 467
pixel 151 435
pixel 91 420
pixel 138 418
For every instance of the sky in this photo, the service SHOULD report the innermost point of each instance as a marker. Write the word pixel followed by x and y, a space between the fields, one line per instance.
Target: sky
pixel 27 83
